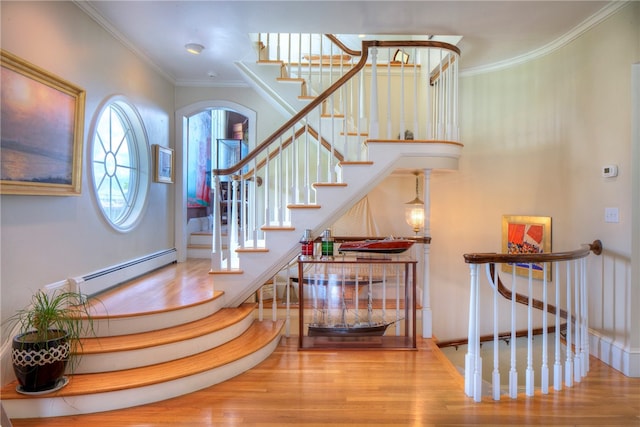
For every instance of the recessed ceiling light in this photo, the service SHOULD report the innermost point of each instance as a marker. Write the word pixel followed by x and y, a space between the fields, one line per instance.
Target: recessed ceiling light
pixel 194 48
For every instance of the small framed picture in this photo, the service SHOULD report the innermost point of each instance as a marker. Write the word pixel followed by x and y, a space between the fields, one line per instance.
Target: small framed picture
pixel 164 164
pixel 526 235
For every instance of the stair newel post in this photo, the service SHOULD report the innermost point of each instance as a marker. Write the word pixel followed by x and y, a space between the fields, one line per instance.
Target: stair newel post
pixel 427 322
pixel 361 117
pixel 374 126
pixel 216 244
pixel 473 345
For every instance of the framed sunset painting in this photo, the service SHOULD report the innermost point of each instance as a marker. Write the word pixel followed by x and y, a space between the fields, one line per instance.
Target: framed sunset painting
pixel 42 131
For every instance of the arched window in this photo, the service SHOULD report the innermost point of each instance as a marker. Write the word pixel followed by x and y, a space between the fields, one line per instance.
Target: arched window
pixel 120 164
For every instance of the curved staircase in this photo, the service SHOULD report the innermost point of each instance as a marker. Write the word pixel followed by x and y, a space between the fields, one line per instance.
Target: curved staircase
pixel 154 354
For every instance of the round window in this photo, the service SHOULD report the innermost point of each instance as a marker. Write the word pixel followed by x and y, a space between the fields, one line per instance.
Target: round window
pixel 120 164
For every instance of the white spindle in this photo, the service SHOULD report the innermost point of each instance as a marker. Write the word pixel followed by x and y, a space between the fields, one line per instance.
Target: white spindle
pixel 415 94
pixel 568 368
pixel 585 318
pixel 544 369
pixel 557 366
pixel 529 373
pixel 374 121
pixel 577 366
pixel 513 371
pixel 496 341
pixel 389 95
pixel 403 124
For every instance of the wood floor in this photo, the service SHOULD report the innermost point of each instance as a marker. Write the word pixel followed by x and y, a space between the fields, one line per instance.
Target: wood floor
pixel 393 388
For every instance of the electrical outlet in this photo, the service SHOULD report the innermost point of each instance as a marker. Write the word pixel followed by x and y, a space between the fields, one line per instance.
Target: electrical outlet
pixel 611 215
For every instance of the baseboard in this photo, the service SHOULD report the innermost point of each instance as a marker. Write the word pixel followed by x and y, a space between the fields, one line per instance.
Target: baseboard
pixel 101 280
pixel 625 360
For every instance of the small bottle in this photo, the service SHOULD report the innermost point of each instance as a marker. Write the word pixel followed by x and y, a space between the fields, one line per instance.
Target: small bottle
pixel 327 245
pixel 307 246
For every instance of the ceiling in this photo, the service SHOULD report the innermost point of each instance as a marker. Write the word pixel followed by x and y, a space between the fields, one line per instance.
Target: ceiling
pixel 494 33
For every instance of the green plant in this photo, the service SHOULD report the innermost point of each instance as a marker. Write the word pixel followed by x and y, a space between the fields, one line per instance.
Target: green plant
pixel 51 312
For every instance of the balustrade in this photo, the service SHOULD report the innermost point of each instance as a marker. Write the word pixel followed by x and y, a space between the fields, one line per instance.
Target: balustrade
pixel 563 290
pixel 348 93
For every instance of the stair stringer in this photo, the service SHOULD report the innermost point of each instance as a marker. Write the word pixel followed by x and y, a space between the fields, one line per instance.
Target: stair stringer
pixel 259 267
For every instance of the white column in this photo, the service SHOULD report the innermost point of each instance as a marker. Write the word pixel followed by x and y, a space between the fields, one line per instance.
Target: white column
pixel 427 325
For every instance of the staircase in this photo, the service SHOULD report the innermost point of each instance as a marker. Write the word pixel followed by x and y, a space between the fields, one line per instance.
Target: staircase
pixel 334 149
pixel 146 357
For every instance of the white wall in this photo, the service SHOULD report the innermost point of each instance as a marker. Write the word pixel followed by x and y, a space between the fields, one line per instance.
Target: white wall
pixel 46 239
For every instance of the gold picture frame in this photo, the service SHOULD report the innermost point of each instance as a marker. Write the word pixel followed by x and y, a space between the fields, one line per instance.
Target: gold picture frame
pixel 164 164
pixel 526 234
pixel 42 131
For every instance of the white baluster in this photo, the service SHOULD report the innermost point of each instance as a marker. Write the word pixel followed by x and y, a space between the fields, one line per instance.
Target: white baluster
pixel 585 319
pixel 513 372
pixel 529 373
pixel 374 121
pixel 544 370
pixel 557 366
pixel 577 365
pixel 568 368
pixel 496 341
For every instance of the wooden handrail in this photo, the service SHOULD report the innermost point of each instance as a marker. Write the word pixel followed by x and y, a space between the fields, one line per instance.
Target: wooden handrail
pixel 485 258
pixel 366 45
pixel 503 336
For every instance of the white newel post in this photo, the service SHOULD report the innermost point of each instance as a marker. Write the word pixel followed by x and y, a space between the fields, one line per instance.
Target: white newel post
pixel 427 325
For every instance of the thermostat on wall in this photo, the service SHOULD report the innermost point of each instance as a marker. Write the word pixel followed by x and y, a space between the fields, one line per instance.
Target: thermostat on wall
pixel 609 171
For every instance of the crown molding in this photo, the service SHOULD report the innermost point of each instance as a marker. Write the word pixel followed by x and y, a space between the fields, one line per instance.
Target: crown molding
pixel 87 8
pixel 573 34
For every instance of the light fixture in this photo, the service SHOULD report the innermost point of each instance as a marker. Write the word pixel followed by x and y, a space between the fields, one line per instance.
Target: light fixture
pixel 194 48
pixel 414 210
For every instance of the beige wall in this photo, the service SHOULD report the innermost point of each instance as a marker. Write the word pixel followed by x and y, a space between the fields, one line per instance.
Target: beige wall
pixel 47 239
pixel 536 136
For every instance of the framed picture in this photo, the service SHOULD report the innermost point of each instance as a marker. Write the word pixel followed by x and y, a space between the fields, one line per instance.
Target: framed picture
pixel 164 164
pixel 526 235
pixel 401 56
pixel 42 131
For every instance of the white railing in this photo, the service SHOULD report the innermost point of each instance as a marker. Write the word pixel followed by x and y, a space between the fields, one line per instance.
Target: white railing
pixel 556 302
pixel 348 100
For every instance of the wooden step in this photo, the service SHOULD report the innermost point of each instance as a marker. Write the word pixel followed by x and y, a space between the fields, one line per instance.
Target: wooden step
pixel 143 349
pixel 87 393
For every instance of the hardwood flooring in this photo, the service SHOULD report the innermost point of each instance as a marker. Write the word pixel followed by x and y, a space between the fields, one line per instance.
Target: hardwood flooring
pixel 363 388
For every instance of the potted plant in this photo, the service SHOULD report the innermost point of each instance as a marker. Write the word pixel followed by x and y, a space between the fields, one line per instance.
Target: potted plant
pixel 49 337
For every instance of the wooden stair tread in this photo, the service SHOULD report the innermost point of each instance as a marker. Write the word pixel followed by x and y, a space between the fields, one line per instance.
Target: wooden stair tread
pixel 256 337
pixel 217 321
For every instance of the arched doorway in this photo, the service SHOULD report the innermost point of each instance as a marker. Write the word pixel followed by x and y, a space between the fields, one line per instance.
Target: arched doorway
pixel 198 126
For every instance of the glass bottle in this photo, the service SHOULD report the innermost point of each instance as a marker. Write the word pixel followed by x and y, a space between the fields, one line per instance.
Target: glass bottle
pixel 327 245
pixel 307 246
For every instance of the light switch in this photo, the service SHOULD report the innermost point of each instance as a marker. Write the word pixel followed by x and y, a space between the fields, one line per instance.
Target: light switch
pixel 611 215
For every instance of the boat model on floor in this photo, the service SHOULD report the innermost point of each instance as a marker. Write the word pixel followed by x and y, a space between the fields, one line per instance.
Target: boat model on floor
pixel 389 245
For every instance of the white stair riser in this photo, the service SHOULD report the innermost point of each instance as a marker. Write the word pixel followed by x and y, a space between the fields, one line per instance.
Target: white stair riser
pixel 99 402
pixel 150 322
pixel 106 362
